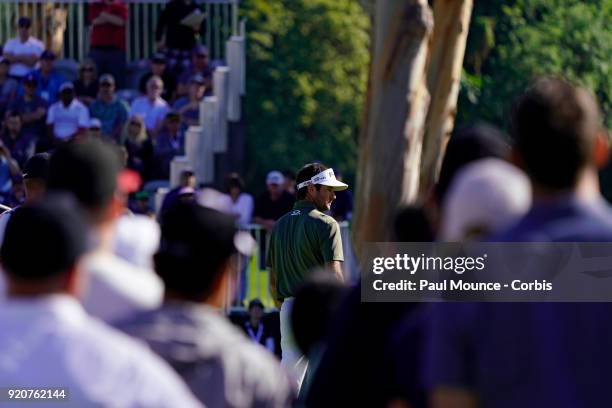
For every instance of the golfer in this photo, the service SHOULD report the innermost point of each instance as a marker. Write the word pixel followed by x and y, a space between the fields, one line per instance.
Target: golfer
pixel 302 240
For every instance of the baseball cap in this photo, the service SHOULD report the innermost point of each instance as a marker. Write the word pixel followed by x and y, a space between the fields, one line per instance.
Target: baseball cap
pixel 200 49
pixel 66 85
pixel 47 54
pixel 107 79
pixel 325 178
pixel 94 123
pixel 198 79
pixel 37 166
pixel 44 239
pixel 30 79
pixel 255 302
pixel 275 177
pixel 24 22
pixel 4 61
pixel 88 169
pixel 159 57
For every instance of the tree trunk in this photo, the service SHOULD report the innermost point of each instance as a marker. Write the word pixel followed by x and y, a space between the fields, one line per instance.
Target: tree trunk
pixel 394 119
pixel 452 21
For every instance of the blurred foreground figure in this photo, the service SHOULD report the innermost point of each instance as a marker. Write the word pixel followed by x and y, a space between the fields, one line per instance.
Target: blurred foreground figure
pixel 485 196
pixel 197 261
pixel 47 338
pixel 536 354
pixel 114 288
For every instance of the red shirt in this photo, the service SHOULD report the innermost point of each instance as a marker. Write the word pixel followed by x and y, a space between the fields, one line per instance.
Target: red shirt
pixel 108 35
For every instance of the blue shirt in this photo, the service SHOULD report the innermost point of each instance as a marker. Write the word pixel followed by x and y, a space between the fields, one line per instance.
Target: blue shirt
pixel 46 88
pixel 113 115
pixel 529 354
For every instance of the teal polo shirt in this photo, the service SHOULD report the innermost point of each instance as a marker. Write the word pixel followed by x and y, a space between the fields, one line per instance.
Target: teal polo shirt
pixel 302 240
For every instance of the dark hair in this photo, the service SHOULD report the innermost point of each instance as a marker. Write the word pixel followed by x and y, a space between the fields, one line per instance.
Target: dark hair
pixel 554 124
pixel 289 174
pixel 412 225
pixel 233 180
pixel 12 114
pixel 306 173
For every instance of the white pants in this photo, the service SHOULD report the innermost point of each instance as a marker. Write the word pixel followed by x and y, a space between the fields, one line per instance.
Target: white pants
pixel 294 362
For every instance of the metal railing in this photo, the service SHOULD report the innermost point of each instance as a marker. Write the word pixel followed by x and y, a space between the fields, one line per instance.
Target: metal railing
pixel 220 23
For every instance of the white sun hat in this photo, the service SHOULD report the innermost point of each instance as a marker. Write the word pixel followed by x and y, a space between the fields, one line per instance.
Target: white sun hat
pixel 325 178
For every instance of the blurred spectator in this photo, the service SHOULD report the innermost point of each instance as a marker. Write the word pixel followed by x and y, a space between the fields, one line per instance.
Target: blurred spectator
pixel 486 196
pixel 86 86
pixel 242 203
pixel 138 146
pixel 167 144
pixel 209 196
pixel 151 106
pixel 342 207
pixel 159 68
pixel 95 128
pixel 67 117
pixel 33 110
pixel 115 288
pixel 220 365
pixel 48 80
pixel 189 106
pixel 412 224
pixel 9 170
pixel 22 146
pixel 255 328
pixel 289 184
pixel 170 32
pixel 274 203
pixel 467 343
pixel 199 66
pixel 108 19
pixel 47 338
pixel 23 51
pixel 8 86
pixel 136 239
pixel 187 180
pixel 112 112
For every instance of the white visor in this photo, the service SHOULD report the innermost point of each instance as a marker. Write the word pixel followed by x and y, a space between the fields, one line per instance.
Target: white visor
pixel 325 178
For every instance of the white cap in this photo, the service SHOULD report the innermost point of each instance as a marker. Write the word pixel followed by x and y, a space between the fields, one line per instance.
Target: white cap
pixel 325 178
pixel 95 123
pixel 275 177
pixel 484 197
pixel 66 85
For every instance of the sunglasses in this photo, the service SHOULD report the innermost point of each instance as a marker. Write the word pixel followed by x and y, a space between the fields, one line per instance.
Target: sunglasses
pixel 106 84
pixel 87 69
pixel 135 124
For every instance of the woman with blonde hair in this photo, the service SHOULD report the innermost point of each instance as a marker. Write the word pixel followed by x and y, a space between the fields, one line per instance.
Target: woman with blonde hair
pixel 86 86
pixel 138 145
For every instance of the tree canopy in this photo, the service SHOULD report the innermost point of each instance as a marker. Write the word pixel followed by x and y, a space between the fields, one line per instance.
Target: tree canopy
pixel 307 64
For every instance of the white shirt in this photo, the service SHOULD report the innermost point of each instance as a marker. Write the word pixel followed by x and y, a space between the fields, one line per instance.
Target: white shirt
pixel 244 208
pixel 152 113
pixel 16 47
pixel 114 289
pixel 66 121
pixel 50 341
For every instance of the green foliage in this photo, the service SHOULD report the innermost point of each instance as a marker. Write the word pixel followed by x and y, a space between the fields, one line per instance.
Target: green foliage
pixel 307 63
pixel 571 38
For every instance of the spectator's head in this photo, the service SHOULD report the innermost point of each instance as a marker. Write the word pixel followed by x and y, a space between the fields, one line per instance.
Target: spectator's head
pixel 256 311
pixel 197 87
pixel 317 183
pixel 485 197
pixel 107 87
pixel 42 245
pixel 47 59
pixel 196 254
pixel 23 28
pixel 29 85
pixel 557 127
pixel 470 144
pixel 187 179
pixel 158 63
pixel 274 183
pixel 319 296
pixel 172 122
pixel 66 93
pixel 155 87
pixel 234 185
pixel 4 66
pixel 95 128
pixel 135 129
pixel 35 174
pixel 13 122
pixel 199 57
pixel 413 225
pixel 87 71
pixel 88 170
pixel 289 184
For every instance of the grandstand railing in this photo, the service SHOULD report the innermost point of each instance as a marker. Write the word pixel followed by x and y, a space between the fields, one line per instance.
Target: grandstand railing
pixel 258 277
pixel 221 22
